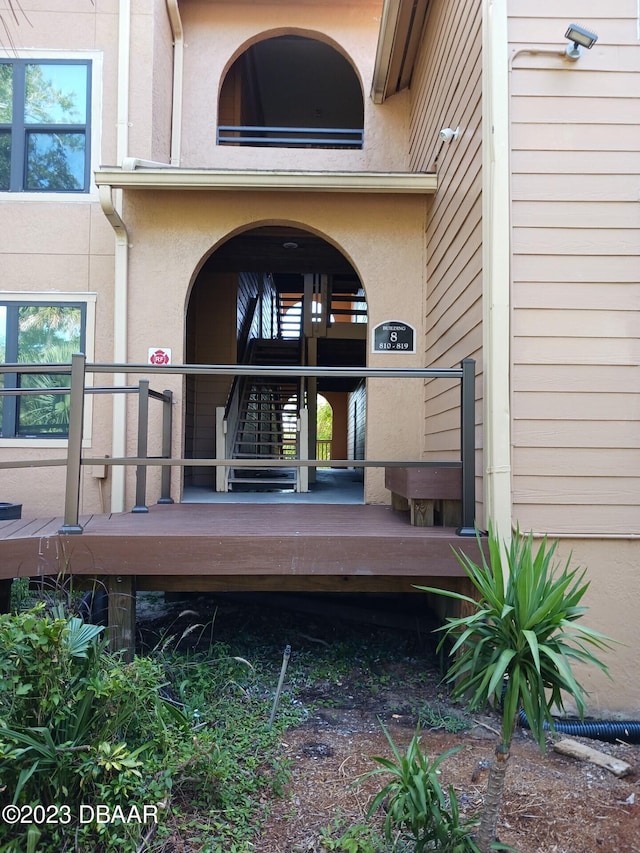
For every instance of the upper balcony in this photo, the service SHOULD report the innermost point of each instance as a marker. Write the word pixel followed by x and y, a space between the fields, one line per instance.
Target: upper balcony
pixel 291 93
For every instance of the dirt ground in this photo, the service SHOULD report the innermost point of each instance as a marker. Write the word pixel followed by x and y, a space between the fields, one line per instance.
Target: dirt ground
pixel 552 803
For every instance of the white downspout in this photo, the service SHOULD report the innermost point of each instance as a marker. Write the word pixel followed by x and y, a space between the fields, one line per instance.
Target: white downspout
pixel 178 66
pixel 111 202
pixel 121 284
pixel 496 242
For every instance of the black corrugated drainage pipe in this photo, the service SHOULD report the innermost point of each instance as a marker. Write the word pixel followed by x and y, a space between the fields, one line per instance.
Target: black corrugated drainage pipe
pixel 604 730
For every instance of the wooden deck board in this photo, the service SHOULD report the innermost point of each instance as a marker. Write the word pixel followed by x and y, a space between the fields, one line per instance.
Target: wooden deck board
pixel 237 545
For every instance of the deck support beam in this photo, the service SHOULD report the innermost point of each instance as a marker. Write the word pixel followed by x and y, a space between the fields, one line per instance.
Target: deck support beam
pixel 5 595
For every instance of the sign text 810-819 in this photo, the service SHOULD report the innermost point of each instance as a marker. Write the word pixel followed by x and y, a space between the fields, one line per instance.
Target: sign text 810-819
pixel 394 336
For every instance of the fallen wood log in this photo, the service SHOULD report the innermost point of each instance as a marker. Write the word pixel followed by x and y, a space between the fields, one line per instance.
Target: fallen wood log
pixel 585 753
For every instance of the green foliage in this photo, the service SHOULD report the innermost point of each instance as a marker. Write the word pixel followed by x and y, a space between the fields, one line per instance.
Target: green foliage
pixel 78 725
pixel 324 420
pixel 432 716
pixel 518 647
pixel 44 661
pixel 19 593
pixel 230 767
pixel 416 803
pixel 358 838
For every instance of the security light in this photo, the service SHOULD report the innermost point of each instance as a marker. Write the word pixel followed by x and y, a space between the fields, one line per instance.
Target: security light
pixel 580 38
pixel 448 133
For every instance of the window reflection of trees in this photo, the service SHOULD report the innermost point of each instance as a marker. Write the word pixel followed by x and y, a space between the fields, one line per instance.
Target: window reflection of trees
pixel 49 334
pixel 44 125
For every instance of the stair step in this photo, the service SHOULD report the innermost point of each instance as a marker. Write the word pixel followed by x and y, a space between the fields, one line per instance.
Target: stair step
pixel 278 390
pixel 240 455
pixel 270 474
pixel 268 419
pixel 271 477
pixel 268 409
pixel 253 429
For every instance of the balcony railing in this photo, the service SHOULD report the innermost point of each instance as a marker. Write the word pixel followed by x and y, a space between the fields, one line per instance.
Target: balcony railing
pixel 287 137
pixel 323 449
pixel 78 390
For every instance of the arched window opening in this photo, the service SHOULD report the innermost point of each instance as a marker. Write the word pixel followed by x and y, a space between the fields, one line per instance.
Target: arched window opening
pixel 291 92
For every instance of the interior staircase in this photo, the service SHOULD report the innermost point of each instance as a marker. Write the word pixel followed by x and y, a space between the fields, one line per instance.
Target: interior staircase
pixel 267 419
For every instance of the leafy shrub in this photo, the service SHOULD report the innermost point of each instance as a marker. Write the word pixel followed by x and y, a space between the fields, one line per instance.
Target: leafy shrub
pixel 78 726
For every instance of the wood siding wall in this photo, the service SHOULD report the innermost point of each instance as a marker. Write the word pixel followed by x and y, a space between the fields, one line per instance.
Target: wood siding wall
pixel 446 91
pixel 575 139
pixel 357 422
pixel 261 315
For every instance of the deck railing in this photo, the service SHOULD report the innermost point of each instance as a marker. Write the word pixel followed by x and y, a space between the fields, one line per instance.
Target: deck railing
pixel 78 390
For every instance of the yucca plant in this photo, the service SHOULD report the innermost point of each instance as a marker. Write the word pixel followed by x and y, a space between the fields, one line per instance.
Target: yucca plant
pixel 416 803
pixel 516 649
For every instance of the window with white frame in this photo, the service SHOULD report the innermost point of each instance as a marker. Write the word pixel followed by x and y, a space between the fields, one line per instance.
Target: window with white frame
pixel 45 110
pixel 38 333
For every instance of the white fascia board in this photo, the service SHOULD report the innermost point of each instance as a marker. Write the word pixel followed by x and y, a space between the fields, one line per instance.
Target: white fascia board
pixel 293 181
pixel 384 52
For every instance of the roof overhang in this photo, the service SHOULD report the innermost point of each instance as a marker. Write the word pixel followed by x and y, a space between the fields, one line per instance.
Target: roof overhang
pixel 401 27
pixel 170 178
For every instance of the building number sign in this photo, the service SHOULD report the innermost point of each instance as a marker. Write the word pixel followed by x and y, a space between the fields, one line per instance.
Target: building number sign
pixel 394 336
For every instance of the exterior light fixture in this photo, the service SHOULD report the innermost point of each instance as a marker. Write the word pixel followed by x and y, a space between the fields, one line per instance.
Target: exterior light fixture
pixel 579 38
pixel 447 134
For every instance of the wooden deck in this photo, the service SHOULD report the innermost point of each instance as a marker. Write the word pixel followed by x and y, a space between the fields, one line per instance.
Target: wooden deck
pixel 235 547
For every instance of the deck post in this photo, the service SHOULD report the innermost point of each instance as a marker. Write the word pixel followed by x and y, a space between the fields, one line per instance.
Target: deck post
pixel 74 446
pixel 221 447
pixel 143 430
pixel 167 414
pixel 122 615
pixel 467 447
pixel 302 478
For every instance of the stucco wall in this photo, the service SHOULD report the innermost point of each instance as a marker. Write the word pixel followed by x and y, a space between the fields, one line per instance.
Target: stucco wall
pixel 172 234
pixel 216 33
pixel 55 244
pixel 67 245
pixel 613 602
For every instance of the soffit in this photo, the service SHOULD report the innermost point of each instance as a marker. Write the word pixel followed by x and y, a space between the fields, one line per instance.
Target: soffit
pixel 265 249
pixel 401 27
pixel 366 3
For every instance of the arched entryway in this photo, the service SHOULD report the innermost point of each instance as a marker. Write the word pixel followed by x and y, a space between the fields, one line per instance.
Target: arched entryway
pixel 283 296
